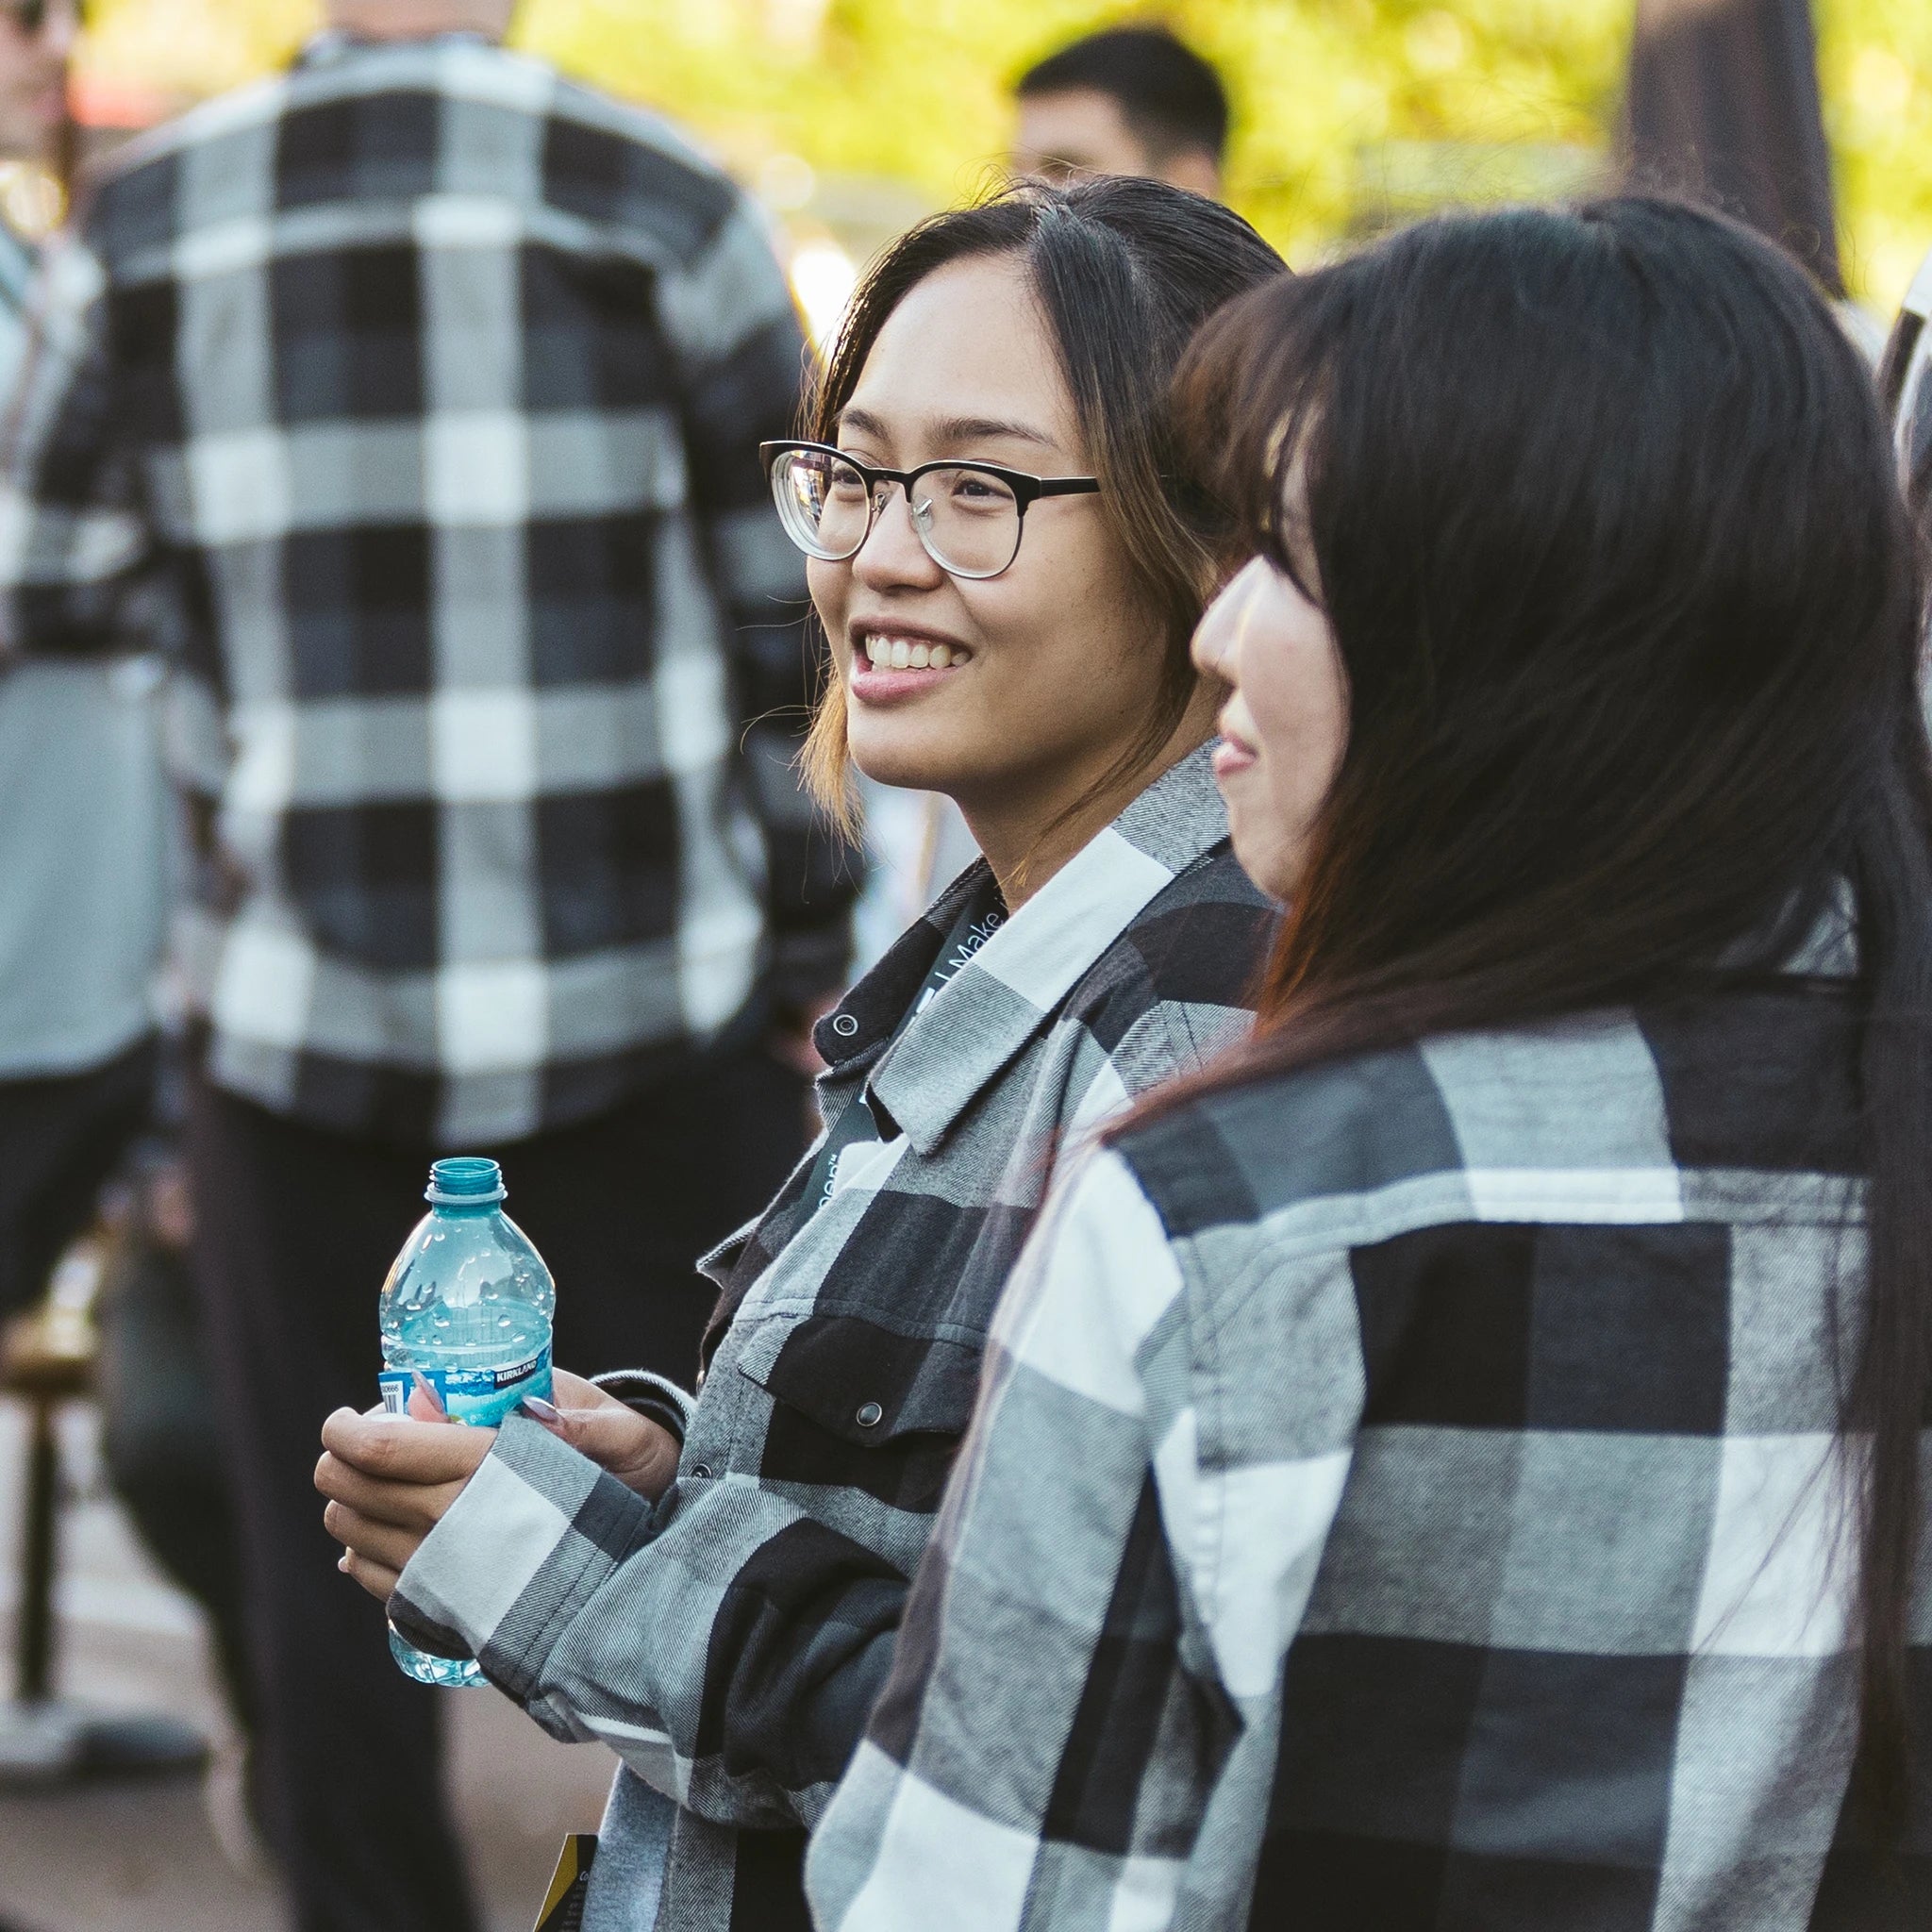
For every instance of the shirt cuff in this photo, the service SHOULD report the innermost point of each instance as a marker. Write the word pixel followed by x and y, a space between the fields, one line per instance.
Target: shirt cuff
pixel 533 1535
pixel 656 1398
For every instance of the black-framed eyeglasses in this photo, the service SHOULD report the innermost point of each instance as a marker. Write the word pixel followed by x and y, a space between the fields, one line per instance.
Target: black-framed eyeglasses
pixel 970 516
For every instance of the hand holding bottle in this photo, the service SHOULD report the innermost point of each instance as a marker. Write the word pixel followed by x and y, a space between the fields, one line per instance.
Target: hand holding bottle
pixel 390 1479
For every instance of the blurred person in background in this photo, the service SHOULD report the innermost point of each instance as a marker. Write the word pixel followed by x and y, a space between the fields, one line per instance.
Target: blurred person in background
pixel 1904 385
pixel 429 388
pixel 84 808
pixel 1131 100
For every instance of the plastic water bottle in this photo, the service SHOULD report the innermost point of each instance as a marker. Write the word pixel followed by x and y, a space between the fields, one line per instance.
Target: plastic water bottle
pixel 468 1307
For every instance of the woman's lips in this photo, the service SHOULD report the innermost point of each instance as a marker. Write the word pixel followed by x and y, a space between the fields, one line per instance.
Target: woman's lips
pixel 875 685
pixel 1231 756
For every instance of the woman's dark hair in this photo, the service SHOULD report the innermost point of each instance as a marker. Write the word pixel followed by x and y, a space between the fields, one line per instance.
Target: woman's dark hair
pixel 1601 512
pixel 1126 272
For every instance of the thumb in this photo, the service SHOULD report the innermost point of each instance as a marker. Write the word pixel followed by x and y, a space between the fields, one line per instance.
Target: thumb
pixel 640 1453
pixel 601 1433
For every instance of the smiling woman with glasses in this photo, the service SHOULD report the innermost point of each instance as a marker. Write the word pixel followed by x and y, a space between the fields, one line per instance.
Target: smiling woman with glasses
pixel 1003 374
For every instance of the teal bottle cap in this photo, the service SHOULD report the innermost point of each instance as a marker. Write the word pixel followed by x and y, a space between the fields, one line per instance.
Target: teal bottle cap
pixel 464 1181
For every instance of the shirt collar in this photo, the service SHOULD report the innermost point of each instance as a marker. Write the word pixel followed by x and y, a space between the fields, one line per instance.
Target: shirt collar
pixel 1019 978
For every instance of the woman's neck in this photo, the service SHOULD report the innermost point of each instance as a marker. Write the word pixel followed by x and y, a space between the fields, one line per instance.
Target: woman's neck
pixel 415 19
pixel 1027 839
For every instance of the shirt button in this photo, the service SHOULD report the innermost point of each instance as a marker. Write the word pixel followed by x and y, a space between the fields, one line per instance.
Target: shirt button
pixel 870 1416
pixel 844 1024
pixel 701 1470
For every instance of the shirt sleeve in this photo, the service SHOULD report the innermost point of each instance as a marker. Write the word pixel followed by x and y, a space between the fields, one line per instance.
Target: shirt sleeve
pixel 75 548
pixel 722 1643
pixel 745 359
pixel 1076 1672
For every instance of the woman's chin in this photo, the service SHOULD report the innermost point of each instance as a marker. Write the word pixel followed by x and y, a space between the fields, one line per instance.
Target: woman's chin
pixel 886 758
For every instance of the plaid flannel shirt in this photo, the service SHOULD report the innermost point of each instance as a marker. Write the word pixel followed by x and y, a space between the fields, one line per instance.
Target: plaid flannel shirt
pixel 1405 1497
pixel 419 392
pixel 728 1643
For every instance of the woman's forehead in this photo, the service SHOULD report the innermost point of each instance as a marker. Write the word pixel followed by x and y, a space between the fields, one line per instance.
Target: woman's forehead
pixel 967 352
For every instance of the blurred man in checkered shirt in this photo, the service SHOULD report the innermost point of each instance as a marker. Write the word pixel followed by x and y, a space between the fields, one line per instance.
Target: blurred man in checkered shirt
pixel 430 388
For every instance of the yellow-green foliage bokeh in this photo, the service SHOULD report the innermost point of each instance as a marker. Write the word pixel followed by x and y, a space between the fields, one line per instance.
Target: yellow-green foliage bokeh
pixel 914 89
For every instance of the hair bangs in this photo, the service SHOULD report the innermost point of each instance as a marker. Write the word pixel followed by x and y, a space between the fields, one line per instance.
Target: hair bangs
pixel 1249 398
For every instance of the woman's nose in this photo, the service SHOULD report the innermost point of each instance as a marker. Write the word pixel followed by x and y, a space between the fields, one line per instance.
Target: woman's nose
pixel 1219 632
pixel 892 553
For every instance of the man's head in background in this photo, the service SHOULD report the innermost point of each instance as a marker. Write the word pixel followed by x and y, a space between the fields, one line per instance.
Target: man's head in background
pixel 1133 100
pixel 35 39
pixel 415 19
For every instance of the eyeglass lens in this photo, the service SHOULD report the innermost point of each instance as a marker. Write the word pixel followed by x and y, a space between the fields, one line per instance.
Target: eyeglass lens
pixel 968 519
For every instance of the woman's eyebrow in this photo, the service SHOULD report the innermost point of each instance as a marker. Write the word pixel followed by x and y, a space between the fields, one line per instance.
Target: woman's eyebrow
pixel 964 429
pixel 958 432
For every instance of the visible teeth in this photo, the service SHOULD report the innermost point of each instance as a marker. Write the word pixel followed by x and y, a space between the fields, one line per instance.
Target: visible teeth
pixel 903 654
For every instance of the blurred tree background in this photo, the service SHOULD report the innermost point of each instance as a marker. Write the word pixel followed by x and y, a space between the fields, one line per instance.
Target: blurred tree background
pixel 849 116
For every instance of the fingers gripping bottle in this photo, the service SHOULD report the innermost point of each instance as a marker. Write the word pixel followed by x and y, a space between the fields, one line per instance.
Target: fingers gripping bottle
pixel 468 1307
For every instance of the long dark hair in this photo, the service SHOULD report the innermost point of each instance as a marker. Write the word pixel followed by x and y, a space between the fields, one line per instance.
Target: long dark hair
pixel 1600 508
pixel 1125 271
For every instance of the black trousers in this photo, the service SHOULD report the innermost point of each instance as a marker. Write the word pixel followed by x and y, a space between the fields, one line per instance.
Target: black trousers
pixel 296 1229
pixel 60 1138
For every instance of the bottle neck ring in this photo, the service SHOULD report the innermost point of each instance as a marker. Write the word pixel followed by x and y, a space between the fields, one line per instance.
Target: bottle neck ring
pixel 465 1181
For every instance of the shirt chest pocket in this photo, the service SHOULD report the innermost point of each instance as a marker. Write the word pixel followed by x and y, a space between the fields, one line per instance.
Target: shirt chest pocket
pixel 856 1407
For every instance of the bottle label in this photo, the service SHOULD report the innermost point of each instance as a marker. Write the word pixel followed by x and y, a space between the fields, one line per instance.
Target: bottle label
pixel 483 1398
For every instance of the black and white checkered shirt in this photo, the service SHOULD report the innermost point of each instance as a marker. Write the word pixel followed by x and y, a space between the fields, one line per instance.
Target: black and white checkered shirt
pixel 422 390
pixel 728 1643
pixel 1406 1495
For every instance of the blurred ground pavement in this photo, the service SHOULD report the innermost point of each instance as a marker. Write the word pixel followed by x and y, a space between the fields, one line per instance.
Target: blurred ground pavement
pixel 145 1857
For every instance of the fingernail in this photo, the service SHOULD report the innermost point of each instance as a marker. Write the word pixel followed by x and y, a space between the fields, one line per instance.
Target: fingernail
pixel 546 1412
pixel 428 1389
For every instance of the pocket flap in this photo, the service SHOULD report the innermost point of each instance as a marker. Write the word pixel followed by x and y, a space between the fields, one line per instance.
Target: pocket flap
pixel 866 1384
